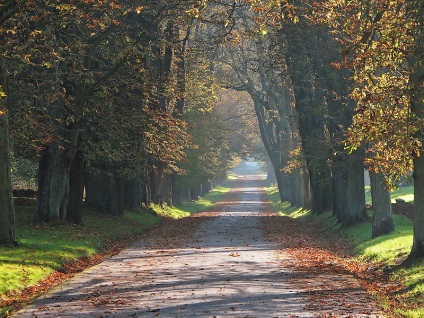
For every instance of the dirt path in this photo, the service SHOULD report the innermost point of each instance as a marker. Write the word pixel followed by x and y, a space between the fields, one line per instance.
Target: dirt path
pixel 225 269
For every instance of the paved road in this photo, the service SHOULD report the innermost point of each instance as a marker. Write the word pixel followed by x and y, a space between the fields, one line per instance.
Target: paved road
pixel 228 270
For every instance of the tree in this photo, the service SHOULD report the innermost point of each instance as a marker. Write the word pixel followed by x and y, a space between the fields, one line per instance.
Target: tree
pixel 7 213
pixel 208 158
pixel 237 112
pixel 416 92
pixel 382 221
pixel 385 39
pixel 58 68
pixel 250 62
pixel 287 62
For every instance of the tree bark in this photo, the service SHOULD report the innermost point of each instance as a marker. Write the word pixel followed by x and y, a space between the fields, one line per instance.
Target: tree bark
pixel 120 194
pixel 102 194
pixel 176 191
pixel 270 173
pixel 348 189
pixel 195 193
pixel 301 193
pixel 417 107
pixel 7 213
pixel 133 194
pixel 206 188
pixel 382 221
pixel 299 39
pixel 76 189
pixel 161 185
pixel 181 74
pixel 270 141
pixel 53 179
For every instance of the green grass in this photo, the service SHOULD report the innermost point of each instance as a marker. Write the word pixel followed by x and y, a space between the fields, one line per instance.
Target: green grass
pixel 390 249
pixel 387 250
pixel 284 208
pixel 47 247
pixel 232 176
pixel 406 193
pixel 188 208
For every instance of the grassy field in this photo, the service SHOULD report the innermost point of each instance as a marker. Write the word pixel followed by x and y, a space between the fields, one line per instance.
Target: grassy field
pixel 46 248
pixel 387 250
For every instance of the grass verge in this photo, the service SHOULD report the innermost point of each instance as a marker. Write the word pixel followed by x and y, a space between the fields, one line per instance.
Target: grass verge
pixel 188 208
pixel 46 249
pixel 382 252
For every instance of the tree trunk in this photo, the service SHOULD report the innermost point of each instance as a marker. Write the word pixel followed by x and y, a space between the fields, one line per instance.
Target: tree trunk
pixel 76 189
pixel 161 186
pixel 181 74
pixel 206 188
pixel 155 180
pixel 270 173
pixel 133 194
pixel 102 194
pixel 300 188
pixel 308 200
pixel 53 179
pixel 417 106
pixel 270 141
pixel 119 182
pixel 418 242
pixel 299 39
pixel 283 185
pixel 382 221
pixel 176 191
pixel 7 213
pixel 165 190
pixel 321 191
pixel 195 193
pixel 147 198
pixel 348 189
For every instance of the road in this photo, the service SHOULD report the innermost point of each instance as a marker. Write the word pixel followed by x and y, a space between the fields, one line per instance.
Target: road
pixel 226 269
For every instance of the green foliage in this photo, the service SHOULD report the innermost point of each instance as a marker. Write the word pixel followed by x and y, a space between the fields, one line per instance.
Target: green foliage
pixel 208 158
pixel 378 43
pixel 241 125
pixel 24 173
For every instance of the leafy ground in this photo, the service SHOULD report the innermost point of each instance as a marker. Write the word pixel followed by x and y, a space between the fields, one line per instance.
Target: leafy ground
pixel 398 289
pixel 51 253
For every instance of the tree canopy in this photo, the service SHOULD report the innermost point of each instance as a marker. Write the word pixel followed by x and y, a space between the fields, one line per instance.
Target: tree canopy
pixel 133 100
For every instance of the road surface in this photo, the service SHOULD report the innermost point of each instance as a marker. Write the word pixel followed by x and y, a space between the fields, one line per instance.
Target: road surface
pixel 226 269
